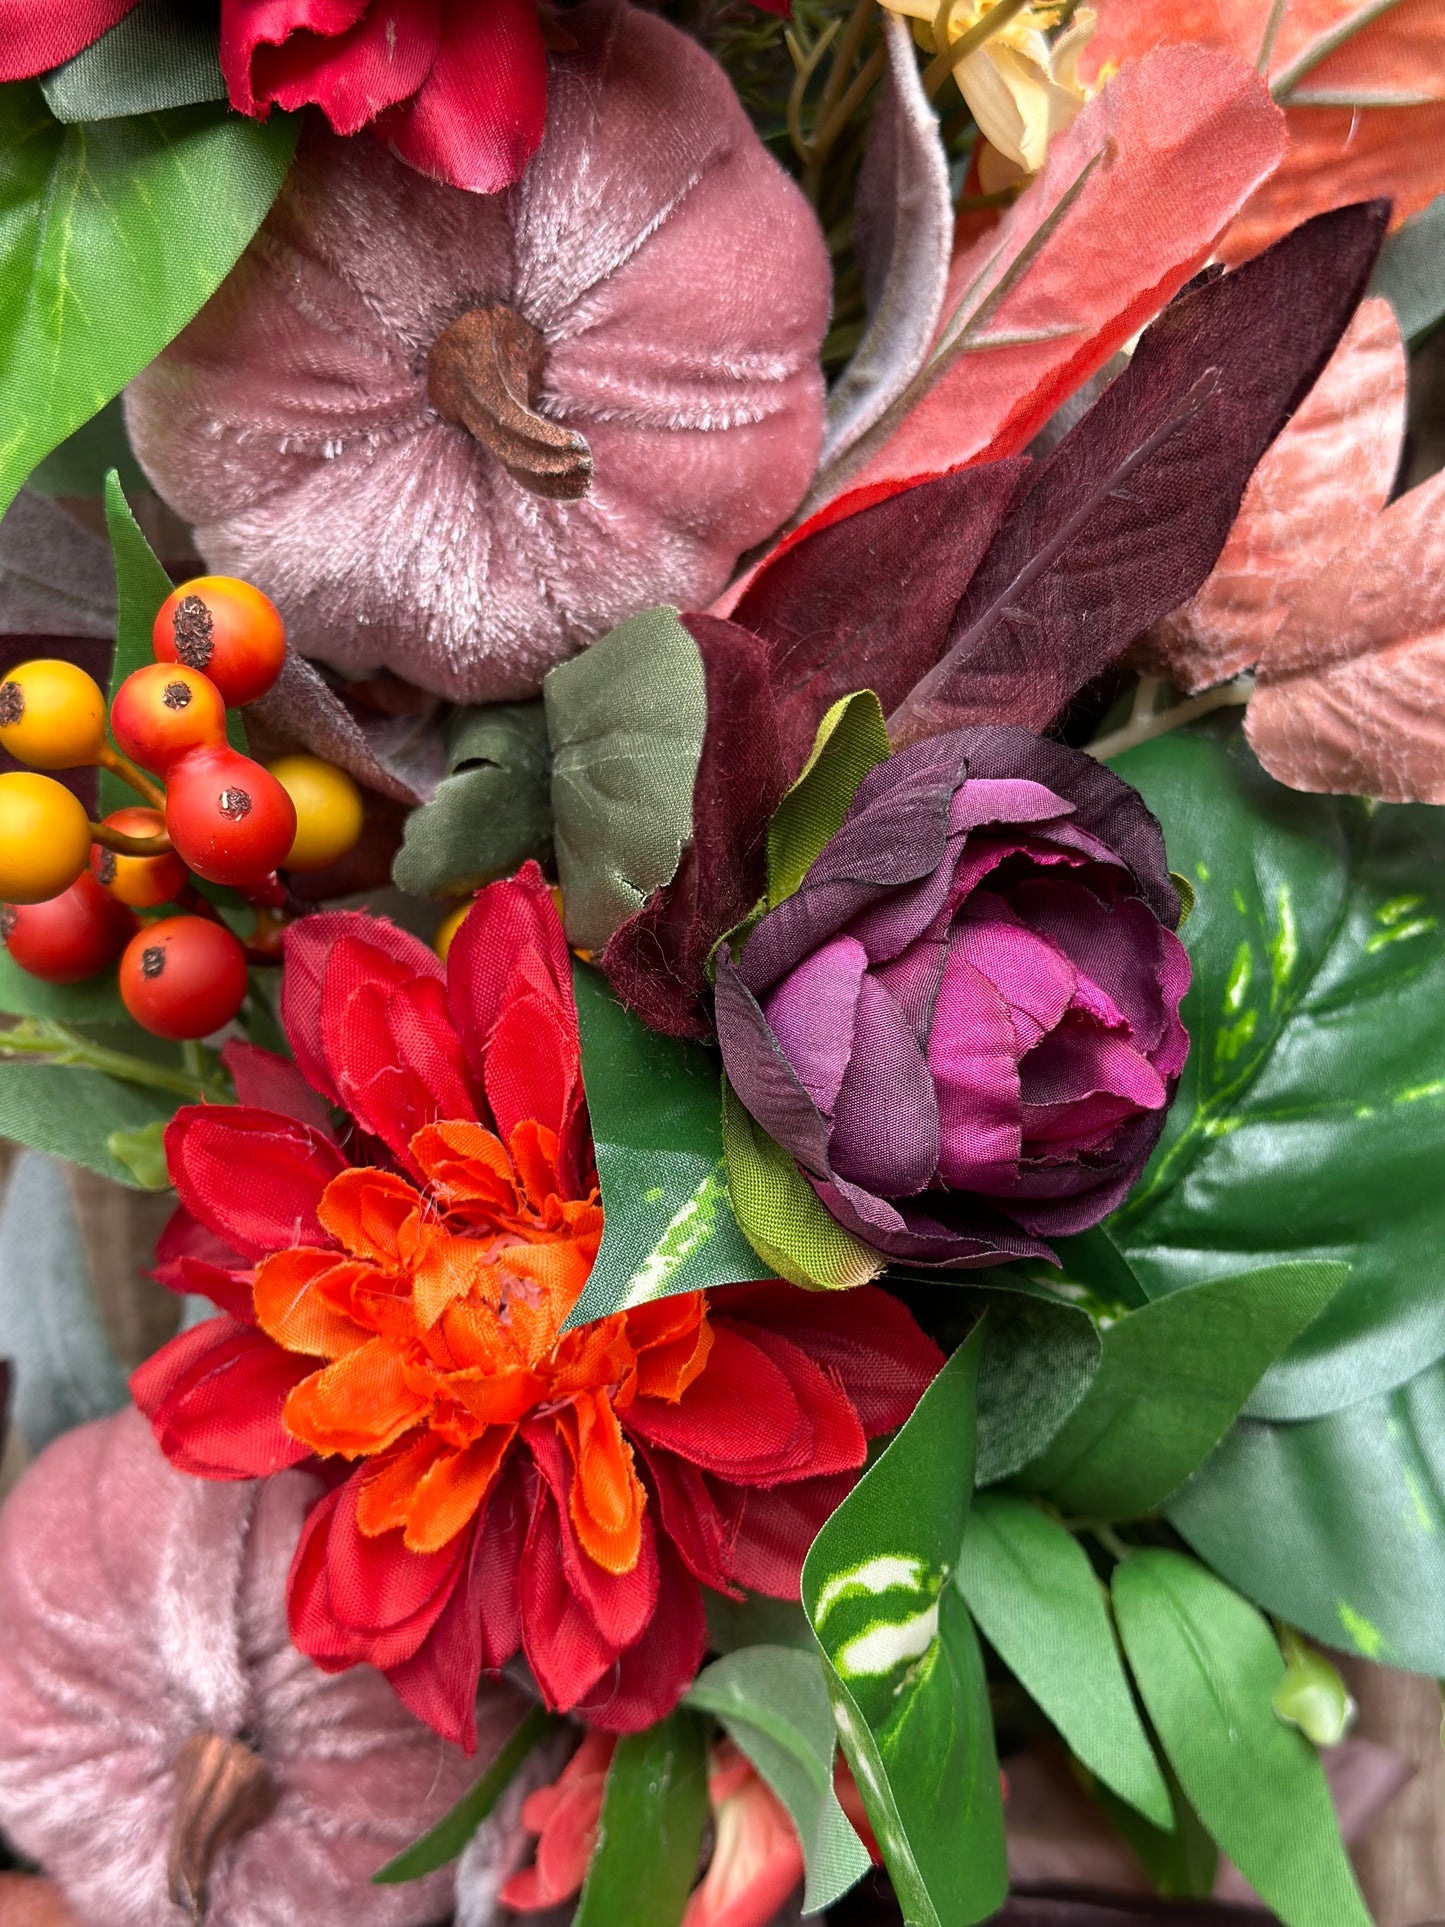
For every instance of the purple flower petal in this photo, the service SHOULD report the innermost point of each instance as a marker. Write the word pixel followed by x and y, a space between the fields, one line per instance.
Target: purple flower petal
pixel 1033 976
pixel 975 1234
pixel 762 1076
pixel 885 1122
pixel 973 1056
pixel 811 1014
pixel 992 799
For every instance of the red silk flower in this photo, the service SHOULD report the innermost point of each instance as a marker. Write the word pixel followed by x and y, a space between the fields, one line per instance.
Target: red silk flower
pixel 395 1306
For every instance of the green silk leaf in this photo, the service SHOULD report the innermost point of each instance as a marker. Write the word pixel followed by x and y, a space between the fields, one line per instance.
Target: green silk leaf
pixel 143 1153
pixel 1410 273
pixel 1173 1378
pixel 1030 1586
pixel 904 1667
pixel 1207 1667
pixel 626 719
pixel 780 1214
pixel 1039 1360
pixel 654 1102
pixel 81 463
pixel 492 810
pixel 653 1811
pixel 1317 1063
pixel 72 1112
pixel 114 233
pixel 773 1704
pixel 162 54
pixel 442 1843
pixel 96 1001
pixel 852 739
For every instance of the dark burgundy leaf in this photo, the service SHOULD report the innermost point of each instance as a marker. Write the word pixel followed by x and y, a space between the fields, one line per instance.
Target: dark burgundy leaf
pixel 1127 517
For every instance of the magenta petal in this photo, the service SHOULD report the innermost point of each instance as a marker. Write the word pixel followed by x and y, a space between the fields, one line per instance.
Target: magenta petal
pixel 1032 975
pixel 973 1057
pixel 1116 946
pixel 477 118
pixel 811 1013
pixel 1009 799
pixel 885 1122
pixel 962 1233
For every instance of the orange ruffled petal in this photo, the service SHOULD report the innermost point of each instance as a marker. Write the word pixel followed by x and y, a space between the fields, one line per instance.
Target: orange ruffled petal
pixel 361 1404
pixel 608 1498
pixel 292 1309
pixel 451 1491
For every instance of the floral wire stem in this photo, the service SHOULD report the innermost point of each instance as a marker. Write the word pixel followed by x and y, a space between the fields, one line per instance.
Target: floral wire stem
pixel 1143 728
pixel 59 1044
pixel 841 97
pixel 1109 1539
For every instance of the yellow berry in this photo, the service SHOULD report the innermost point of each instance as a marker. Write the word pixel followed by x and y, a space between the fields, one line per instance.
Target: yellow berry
pixel 52 715
pixel 328 811
pixel 448 927
pixel 44 837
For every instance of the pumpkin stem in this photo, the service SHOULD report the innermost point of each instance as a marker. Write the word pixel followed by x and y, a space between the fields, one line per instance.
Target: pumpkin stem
pixel 483 372
pixel 223 1789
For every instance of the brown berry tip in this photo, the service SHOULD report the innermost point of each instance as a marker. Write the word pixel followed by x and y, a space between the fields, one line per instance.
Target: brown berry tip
pixel 176 695
pixel 8 921
pixel 234 804
pixel 193 623
pixel 152 961
pixel 12 703
pixel 105 867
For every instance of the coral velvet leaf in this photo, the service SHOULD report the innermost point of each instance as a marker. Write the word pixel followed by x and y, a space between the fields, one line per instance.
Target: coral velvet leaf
pixel 1127 516
pixel 1131 202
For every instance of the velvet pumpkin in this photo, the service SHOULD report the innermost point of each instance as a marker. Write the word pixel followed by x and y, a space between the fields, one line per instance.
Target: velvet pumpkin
pixel 462 435
pixel 153 1708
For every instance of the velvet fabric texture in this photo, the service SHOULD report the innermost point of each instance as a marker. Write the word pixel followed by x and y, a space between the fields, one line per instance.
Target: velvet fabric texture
pixel 140 1607
pixel 965 1023
pixel 680 286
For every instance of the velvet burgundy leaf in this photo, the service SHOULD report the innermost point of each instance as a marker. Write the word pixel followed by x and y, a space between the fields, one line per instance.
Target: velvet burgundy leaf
pixel 1126 518
pixel 655 961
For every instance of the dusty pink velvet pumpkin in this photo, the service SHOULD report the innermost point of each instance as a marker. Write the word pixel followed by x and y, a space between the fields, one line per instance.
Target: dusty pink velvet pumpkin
pixel 141 1607
pixel 672 290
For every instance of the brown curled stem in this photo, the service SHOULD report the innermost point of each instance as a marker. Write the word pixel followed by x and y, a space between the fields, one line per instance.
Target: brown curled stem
pixel 124 845
pixel 122 767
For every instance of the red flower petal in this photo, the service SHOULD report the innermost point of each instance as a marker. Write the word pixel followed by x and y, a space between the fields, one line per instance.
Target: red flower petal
pixel 477 118
pixel 38 34
pixel 189 1258
pixel 866 1338
pixel 839 1442
pixel 348 57
pixel 267 1082
pixel 649 1679
pixel 566 1652
pixel 255 1178
pixel 698 1525
pixel 741 1419
pixel 391 954
pixel 214 1396
pixel 776 1529
pixel 361 1016
pixel 619 1604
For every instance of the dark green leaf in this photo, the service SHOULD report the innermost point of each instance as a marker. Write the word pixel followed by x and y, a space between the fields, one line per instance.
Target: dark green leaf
pixel 652 1819
pixel 443 1842
pixel 80 465
pixel 1172 1381
pixel 656 1110
pixel 492 810
pixel 1207 1666
pixel 904 1666
pixel 1337 1525
pixel 626 720
pixel 113 235
pixel 852 739
pixel 1039 1359
pixel 1181 1863
pixel 773 1703
pixel 96 1001
pixel 1095 1272
pixel 779 1212
pixel 162 54
pixel 71 1112
pixel 1031 1588
pixel 1310 1122
pixel 1410 273
pixel 755 1620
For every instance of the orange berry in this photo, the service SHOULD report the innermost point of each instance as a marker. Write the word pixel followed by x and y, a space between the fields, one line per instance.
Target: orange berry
pixel 144 882
pixel 163 712
pixel 226 629
pixel 52 715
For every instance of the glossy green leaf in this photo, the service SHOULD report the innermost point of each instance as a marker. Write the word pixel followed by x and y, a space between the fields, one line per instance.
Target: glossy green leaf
pixel 1173 1378
pixel 162 54
pixel 492 810
pixel 904 1667
pixel 656 1109
pixel 96 1001
pixel 852 739
pixel 1039 1359
pixel 653 1812
pixel 1336 1525
pixel 1207 1666
pixel 1410 273
pixel 442 1843
pixel 112 235
pixel 626 720
pixel 773 1703
pixel 1030 1586
pixel 779 1212
pixel 1310 1122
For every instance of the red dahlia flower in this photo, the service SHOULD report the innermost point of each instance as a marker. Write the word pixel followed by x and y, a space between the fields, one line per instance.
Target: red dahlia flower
pixel 512 1486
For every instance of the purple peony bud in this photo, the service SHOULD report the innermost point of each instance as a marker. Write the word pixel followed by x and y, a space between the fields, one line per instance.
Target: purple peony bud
pixel 965 1023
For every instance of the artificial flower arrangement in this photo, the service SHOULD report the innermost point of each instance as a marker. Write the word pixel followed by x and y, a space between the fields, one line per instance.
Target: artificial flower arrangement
pixel 804 1167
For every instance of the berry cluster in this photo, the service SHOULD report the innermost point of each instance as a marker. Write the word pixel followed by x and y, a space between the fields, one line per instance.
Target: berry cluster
pixel 73 888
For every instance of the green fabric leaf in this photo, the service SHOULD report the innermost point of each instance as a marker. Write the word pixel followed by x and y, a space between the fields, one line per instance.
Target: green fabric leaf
pixel 904 1667
pixel 492 810
pixel 442 1843
pixel 143 1153
pixel 626 720
pixel 1181 1863
pixel 779 1212
pixel 657 1126
pixel 653 1812
pixel 852 739
pixel 1317 1060
pixel 80 465
pixel 71 1112
pixel 1096 1273
pixel 113 235
pixel 1172 1381
pixel 1030 1586
pixel 773 1703
pixel 65 1370
pixel 1410 273
pixel 1039 1360
pixel 162 54
pixel 96 1001
pixel 755 1620
pixel 1207 1666
pixel 1336 1525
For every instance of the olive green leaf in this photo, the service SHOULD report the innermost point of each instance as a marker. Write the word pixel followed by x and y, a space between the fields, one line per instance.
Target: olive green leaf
pixel 779 1212
pixel 113 234
pixel 442 1843
pixel 1310 1122
pixel 72 1112
pixel 626 720
pixel 1312 1695
pixel 653 1812
pixel 1410 273
pixel 851 739
pixel 773 1704
pixel 904 1667
pixel 492 810
pixel 1173 1378
pixel 1207 1667
pixel 143 1153
pixel 81 463
pixel 1030 1586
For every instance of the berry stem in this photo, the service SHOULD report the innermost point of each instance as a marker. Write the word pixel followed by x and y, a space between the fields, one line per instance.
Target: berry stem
pixel 124 845
pixel 122 767
pixel 43 1037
